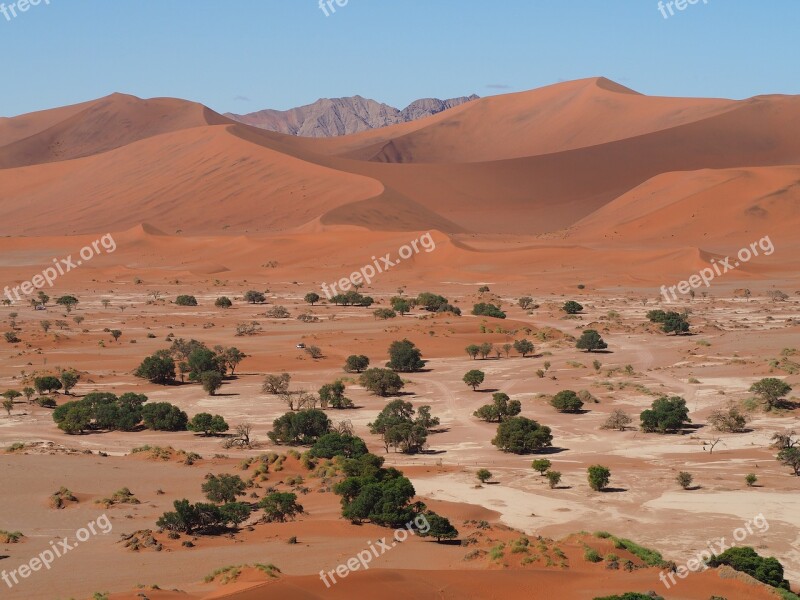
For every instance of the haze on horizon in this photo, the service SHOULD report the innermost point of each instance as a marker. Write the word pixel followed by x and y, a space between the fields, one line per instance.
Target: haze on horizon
pixel 257 55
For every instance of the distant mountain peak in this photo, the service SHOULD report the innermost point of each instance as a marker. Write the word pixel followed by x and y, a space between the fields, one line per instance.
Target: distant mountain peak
pixel 331 117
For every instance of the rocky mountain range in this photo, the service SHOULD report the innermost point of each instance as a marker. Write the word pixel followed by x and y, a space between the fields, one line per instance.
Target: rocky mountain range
pixel 330 117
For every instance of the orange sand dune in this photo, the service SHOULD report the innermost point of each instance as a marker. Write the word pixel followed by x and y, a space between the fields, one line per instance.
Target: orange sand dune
pixel 23 126
pixel 94 127
pixel 689 207
pixel 576 584
pixel 544 192
pixel 564 116
pixel 197 180
pixel 520 164
pixel 651 185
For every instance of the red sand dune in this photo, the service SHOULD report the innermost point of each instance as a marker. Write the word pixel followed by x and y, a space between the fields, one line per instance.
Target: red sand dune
pixel 549 157
pixel 578 583
pixel 227 185
pixel 578 174
pixel 99 126
pixel 565 116
pixel 685 206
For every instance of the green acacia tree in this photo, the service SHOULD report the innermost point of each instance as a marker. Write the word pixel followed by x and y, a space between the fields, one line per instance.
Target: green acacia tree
pixel 162 416
pixel 158 368
pixel 502 407
pixel 770 390
pixel 667 415
pixel 766 570
pixel 790 457
pixel 223 302
pixel 598 477
pixel 675 323
pixel 438 527
pixel 521 435
pixel 68 302
pixel 302 427
pixel 211 382
pixel 223 488
pixel 332 394
pixel 46 384
pixel 371 493
pixel 381 382
pixel 235 512
pixel 338 444
pixel 401 305
pixel 207 424
pixel 474 378
pixel 280 506
pixel 541 465
pixel 312 298
pixel 525 302
pixel 488 310
pixel 567 401
pixel 12 394
pixel 356 363
pixel 254 297
pixel 405 357
pixel 590 341
pixel 524 347
pixel 69 379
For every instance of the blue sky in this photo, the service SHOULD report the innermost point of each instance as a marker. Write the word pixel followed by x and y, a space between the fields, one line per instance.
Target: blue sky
pixel 246 55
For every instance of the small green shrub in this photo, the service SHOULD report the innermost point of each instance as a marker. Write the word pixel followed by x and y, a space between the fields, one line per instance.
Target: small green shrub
pixel 591 555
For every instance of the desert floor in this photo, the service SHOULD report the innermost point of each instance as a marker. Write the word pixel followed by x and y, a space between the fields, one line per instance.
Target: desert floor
pixel 732 343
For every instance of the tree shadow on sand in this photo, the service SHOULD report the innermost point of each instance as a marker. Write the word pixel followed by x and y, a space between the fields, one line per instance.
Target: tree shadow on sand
pixel 549 450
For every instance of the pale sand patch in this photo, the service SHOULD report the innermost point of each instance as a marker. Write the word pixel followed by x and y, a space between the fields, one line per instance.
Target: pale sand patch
pixel 779 509
pixel 775 506
pixel 515 506
pixel 657 446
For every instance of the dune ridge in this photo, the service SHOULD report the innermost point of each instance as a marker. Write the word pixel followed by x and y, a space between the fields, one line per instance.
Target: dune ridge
pixel 600 167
